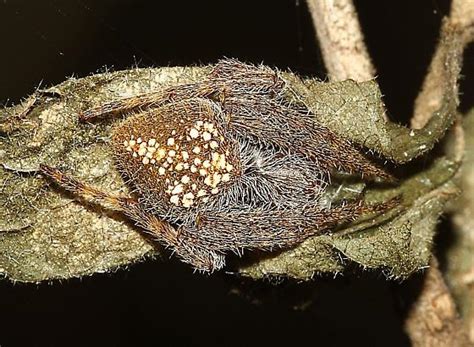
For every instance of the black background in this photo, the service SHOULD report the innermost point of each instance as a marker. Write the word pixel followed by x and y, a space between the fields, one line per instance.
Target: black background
pixel 164 303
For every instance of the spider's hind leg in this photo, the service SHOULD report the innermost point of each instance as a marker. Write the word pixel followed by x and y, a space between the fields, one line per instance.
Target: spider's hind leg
pixel 277 228
pixel 187 247
pixel 86 191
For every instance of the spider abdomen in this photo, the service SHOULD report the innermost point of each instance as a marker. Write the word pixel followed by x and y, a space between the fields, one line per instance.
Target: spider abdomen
pixel 178 155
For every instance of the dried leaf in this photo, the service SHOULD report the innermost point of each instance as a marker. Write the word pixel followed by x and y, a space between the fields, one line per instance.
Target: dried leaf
pixel 45 234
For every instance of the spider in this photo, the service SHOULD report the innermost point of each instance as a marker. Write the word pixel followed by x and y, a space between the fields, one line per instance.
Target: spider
pixel 225 164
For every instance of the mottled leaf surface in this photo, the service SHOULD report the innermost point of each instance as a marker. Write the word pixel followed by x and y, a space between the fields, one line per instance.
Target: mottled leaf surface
pixel 45 234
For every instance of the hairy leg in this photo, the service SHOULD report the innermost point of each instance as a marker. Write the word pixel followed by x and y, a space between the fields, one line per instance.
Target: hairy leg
pixel 83 190
pixel 226 74
pixel 149 100
pixel 270 229
pixel 187 248
pixel 293 129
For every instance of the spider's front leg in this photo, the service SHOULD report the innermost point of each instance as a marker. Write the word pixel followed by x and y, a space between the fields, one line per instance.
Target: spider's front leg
pixel 187 247
pixel 226 74
pixel 295 130
pixel 148 100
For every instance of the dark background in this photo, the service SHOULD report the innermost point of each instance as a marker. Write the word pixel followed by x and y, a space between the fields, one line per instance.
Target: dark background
pixel 164 303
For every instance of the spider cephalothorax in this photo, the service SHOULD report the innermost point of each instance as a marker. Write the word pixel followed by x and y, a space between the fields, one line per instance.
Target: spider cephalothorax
pixel 226 164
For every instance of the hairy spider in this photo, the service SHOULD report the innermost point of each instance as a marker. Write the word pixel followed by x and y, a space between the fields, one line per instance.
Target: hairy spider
pixel 225 164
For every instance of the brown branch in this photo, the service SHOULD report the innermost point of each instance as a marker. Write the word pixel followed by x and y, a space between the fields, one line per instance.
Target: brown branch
pixel 433 319
pixel 341 40
pixel 431 96
pixel 460 264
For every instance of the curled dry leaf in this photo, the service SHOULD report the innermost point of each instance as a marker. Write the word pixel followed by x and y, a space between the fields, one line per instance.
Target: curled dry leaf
pixel 45 234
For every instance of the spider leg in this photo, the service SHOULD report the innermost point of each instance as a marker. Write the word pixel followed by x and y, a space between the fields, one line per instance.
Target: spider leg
pixel 227 73
pixel 278 228
pixel 122 105
pixel 266 120
pixel 186 247
pixel 84 190
pixel 153 99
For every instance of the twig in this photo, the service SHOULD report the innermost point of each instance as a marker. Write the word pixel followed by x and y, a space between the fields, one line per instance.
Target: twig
pixel 431 95
pixel 460 264
pixel 341 40
pixel 433 319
